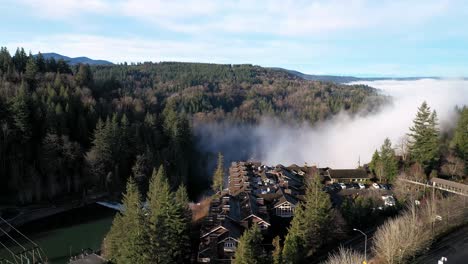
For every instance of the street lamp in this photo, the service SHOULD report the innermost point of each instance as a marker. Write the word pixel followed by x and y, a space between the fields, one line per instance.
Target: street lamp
pixel 442 260
pixel 365 242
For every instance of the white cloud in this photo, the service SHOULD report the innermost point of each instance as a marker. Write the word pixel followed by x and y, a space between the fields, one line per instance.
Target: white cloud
pixel 66 9
pixel 291 17
pixel 136 49
pixel 339 142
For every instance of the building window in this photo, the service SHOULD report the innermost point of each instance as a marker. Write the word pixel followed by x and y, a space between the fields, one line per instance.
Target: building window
pixel 229 245
pixel 285 210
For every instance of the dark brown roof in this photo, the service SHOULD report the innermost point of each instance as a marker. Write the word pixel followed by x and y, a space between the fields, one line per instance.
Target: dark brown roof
pixel 249 206
pixel 348 174
pixel 284 198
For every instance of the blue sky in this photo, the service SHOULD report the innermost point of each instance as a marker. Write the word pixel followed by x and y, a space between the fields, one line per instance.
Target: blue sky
pixel 347 37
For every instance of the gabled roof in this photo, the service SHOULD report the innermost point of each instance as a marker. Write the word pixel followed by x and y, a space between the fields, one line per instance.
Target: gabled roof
pixel 259 218
pixel 227 225
pixel 284 198
pixel 229 237
pixel 291 176
pixel 249 206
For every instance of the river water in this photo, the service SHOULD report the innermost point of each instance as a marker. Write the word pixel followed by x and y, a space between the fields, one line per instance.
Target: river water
pixel 67 232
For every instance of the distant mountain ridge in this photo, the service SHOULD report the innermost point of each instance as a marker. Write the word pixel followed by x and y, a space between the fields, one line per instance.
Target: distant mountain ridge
pixel 313 77
pixel 347 79
pixel 77 60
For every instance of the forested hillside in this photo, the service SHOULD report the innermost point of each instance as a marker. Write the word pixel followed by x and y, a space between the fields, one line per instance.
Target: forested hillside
pixel 239 93
pixel 70 129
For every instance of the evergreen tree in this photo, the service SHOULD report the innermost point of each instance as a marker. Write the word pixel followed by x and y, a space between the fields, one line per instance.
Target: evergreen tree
pixel 310 226
pixel 277 254
pixel 127 240
pixel 22 114
pixel 99 158
pixel 294 244
pixel 5 60
pixel 424 136
pixel 460 139
pixel 40 62
pixel 374 162
pixel 63 67
pixel 179 227
pixel 218 176
pixel 160 209
pixel 388 160
pixel 84 76
pixel 141 170
pixel 51 65
pixel 20 59
pixel 249 250
pixel 169 221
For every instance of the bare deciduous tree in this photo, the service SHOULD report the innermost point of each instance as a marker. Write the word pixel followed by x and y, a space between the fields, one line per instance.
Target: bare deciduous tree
pixel 345 256
pixel 403 147
pixel 403 237
pixel 455 167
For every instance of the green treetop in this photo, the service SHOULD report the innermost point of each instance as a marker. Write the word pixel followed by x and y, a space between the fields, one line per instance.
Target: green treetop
pixel 388 160
pixel 249 249
pixel 424 137
pixel 218 176
pixel 460 138
pixel 310 226
pixel 127 242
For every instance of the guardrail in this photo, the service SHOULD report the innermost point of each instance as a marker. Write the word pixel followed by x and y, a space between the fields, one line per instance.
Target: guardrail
pixel 441 184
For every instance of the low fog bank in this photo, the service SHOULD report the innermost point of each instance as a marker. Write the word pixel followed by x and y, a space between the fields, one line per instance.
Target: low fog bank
pixel 341 141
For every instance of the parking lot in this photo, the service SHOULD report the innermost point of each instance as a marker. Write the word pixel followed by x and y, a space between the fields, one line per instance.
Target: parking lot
pixel 337 192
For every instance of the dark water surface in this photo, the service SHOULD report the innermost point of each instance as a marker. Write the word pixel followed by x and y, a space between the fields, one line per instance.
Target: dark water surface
pixel 66 232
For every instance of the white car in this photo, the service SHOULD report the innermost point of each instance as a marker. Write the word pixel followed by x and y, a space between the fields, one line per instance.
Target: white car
pixel 361 186
pixel 342 185
pixel 389 200
pixel 376 185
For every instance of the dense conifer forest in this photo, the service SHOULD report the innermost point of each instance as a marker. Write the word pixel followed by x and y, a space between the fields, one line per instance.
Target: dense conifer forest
pixel 69 130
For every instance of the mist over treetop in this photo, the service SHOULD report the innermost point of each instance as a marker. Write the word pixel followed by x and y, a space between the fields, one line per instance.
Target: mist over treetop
pixel 98 125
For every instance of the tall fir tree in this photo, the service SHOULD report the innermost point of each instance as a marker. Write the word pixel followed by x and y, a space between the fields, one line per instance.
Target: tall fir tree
pixel 168 221
pixel 218 176
pixel 179 227
pixel 460 138
pixel 249 249
pixel 141 170
pixel 389 161
pixel 159 202
pixel 20 59
pixel 84 76
pixel 30 71
pixel 424 135
pixel 127 240
pixel 309 228
pixel 99 158
pixel 374 162
pixel 277 251
pixel 20 109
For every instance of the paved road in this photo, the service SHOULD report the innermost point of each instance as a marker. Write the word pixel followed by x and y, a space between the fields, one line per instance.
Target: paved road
pixel 453 246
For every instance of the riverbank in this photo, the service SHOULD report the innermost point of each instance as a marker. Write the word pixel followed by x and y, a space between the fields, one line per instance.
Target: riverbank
pixel 27 214
pixel 67 233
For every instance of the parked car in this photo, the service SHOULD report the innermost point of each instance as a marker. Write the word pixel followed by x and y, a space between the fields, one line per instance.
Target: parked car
pixel 361 186
pixel 342 185
pixel 376 185
pixel 385 186
pixel 336 187
pixel 389 200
